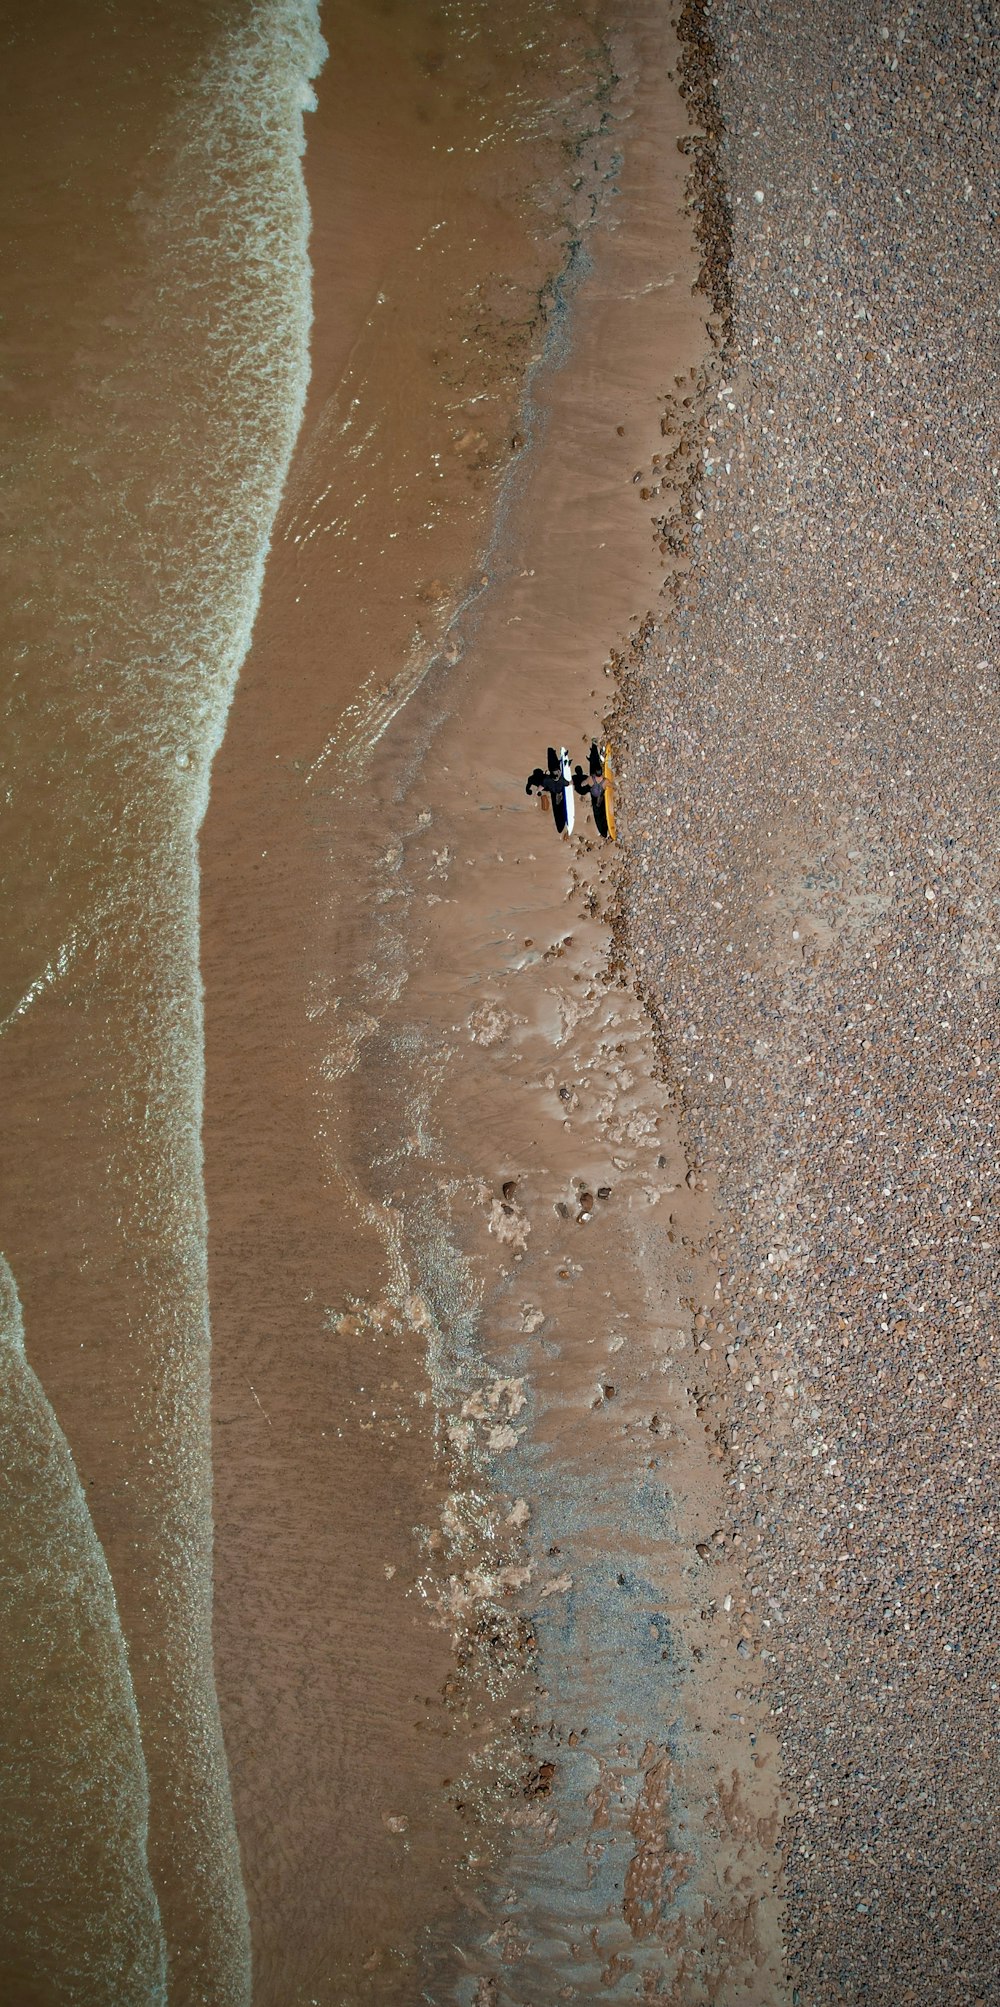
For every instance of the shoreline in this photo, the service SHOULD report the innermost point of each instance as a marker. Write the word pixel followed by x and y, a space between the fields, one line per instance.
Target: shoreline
pixel 510 1364
pixel 300 1267
pixel 447 1365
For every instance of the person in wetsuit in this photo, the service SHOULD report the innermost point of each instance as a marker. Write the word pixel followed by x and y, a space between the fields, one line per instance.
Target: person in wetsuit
pixel 550 782
pixel 594 785
pixel 554 783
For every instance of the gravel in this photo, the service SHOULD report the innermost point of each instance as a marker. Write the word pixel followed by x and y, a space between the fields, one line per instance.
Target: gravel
pixel 813 911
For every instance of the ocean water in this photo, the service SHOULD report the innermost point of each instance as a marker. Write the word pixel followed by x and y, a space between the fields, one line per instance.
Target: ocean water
pixel 156 351
pixel 88 1919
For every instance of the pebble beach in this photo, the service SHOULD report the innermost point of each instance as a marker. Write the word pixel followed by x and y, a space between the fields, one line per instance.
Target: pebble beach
pixel 810 903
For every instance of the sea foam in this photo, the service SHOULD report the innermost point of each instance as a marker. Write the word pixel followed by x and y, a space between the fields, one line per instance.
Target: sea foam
pixel 81 1919
pixel 165 478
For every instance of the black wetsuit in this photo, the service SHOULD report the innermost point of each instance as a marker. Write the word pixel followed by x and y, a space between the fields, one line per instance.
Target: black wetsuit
pixel 551 782
pixel 594 784
pixel 546 783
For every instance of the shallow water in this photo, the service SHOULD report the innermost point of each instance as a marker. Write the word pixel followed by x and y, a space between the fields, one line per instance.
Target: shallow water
pixel 157 343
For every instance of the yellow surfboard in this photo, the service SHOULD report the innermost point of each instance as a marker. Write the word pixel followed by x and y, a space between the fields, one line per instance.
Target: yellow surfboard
pixel 609 798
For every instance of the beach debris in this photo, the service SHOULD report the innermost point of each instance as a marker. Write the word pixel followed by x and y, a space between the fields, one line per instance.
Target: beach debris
pixel 509 1224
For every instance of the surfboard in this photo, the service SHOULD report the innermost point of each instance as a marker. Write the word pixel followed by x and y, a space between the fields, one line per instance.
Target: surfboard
pixel 609 798
pixel 595 762
pixel 569 798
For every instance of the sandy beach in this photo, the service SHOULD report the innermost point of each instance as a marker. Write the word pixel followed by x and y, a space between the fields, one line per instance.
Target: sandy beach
pixel 497 1328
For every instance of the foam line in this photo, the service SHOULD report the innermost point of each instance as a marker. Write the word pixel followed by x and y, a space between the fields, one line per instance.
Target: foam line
pixel 81 1919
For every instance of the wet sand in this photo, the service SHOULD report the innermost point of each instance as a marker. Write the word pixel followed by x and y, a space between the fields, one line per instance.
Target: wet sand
pixel 463 1742
pixel 414 417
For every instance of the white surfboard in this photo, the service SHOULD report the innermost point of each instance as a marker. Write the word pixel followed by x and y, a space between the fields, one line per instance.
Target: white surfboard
pixel 568 790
